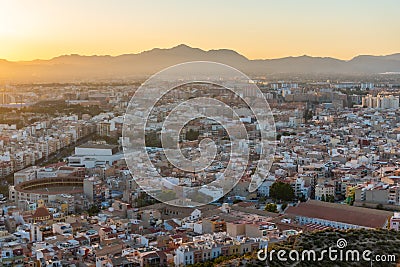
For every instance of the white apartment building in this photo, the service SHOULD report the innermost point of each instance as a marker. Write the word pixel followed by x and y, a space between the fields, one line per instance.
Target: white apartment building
pixel 92 155
pixel 381 101
pixel 324 190
pixel 263 189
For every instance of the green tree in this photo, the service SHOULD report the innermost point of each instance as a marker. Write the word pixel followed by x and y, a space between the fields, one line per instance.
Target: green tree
pixel 323 198
pixel 93 210
pixel 330 198
pixel 107 139
pixel 192 135
pixel 351 198
pixel 271 207
pixel 281 191
pixel 308 114
pixel 4 190
pixel 152 139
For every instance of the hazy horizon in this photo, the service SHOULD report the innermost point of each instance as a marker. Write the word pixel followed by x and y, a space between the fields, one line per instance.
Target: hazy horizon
pixel 177 45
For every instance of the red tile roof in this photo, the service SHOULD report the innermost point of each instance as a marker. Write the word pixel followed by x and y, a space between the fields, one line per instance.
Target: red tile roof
pixel 341 213
pixel 41 212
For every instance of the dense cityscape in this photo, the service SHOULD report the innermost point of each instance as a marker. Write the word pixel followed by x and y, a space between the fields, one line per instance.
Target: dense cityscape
pixel 170 133
pixel 69 199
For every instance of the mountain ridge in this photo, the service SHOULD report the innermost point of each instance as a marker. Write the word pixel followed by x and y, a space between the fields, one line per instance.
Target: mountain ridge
pixel 184 46
pixel 75 66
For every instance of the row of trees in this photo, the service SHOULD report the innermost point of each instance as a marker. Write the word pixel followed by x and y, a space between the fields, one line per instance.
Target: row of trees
pixel 153 138
pixel 54 107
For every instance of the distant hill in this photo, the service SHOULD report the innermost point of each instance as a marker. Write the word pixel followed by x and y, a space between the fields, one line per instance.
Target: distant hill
pixel 76 67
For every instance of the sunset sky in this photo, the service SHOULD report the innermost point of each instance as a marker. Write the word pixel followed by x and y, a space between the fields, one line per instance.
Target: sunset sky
pixel 257 29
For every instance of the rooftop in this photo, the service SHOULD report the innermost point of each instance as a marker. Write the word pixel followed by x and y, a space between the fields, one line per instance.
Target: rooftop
pixel 341 213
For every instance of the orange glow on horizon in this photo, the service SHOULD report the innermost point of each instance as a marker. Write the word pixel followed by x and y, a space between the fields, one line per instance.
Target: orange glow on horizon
pixel 257 30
